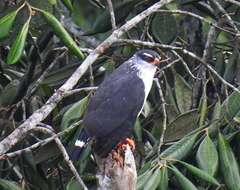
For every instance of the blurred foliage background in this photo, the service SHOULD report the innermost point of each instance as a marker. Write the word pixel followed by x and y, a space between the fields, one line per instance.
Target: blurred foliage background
pixel 188 134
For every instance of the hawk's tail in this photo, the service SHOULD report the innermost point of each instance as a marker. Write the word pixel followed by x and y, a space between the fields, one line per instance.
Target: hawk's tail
pixel 79 145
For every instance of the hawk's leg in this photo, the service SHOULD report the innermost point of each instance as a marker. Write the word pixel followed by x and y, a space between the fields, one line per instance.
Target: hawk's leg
pixel 122 145
pixel 119 152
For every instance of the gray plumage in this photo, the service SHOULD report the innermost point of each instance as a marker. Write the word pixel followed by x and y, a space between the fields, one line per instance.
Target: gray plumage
pixel 113 109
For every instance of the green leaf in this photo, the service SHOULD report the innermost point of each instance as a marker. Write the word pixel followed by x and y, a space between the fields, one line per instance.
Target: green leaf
pixel 52 2
pixel 58 76
pixel 9 185
pixel 74 113
pixel 8 93
pixel 154 180
pixel 68 4
pixel 103 22
pixel 231 106
pixel 73 185
pixel 163 185
pixel 138 130
pixel 18 45
pixel 229 166
pixel 219 63
pixel 159 30
pixel 180 149
pixel 231 66
pixel 207 156
pixel 184 182
pixel 6 23
pixel 200 173
pixel 183 93
pixel 62 34
pixel 145 168
pixel 216 117
pixel 217 111
pixel 181 126
pixel 143 179
pixel 203 107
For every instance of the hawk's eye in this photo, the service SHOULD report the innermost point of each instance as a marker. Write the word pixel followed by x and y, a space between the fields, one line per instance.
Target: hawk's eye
pixel 147 57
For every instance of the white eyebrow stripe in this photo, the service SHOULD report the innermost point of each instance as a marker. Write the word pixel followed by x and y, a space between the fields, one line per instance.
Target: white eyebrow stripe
pixel 148 55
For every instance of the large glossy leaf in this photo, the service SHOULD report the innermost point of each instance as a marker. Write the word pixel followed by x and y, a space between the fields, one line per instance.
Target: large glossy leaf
pixel 184 182
pixel 103 22
pixel 45 153
pixel 8 94
pixel 143 179
pixel 207 156
pixel 231 66
pixel 163 185
pixel 180 149
pixel 73 184
pixel 6 23
pixel 183 93
pixel 159 30
pixel 62 34
pixel 181 126
pixel 154 180
pixel 58 76
pixel 231 106
pixel 200 173
pixel 74 113
pixel 217 111
pixel 216 117
pixel 9 185
pixel 229 166
pixel 18 45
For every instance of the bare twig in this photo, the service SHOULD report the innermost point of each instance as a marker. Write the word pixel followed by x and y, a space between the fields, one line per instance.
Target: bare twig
pixel 233 2
pixel 75 91
pixel 148 44
pixel 184 64
pixel 205 58
pixel 40 114
pixel 164 127
pixel 44 74
pixel 111 11
pixel 170 64
pixel 65 155
pixel 91 77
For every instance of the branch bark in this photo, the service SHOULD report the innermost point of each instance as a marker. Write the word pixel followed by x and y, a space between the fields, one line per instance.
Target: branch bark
pixel 113 176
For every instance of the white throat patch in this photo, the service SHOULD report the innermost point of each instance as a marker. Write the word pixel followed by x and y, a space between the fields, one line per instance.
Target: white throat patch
pixel 146 73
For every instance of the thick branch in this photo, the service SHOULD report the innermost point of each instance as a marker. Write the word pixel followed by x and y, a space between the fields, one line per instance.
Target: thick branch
pixel 115 176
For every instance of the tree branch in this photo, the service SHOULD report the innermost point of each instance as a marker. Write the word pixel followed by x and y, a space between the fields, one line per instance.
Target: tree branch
pixel 233 2
pixel 111 11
